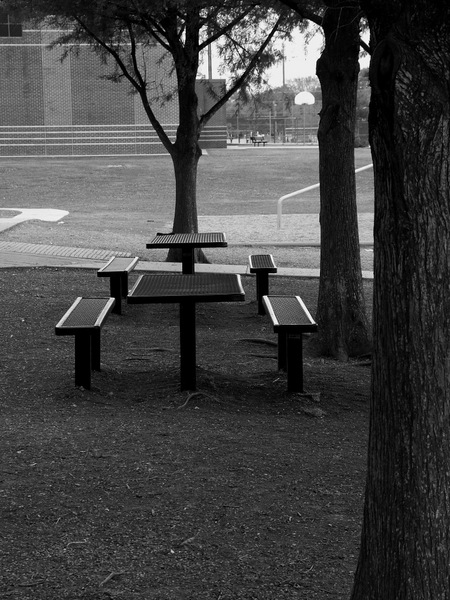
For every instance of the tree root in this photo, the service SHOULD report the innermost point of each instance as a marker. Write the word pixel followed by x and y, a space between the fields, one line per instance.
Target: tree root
pixel 193 395
pixel 258 341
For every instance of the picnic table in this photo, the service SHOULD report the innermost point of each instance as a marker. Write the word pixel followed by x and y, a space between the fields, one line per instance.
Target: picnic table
pixel 187 242
pixel 187 290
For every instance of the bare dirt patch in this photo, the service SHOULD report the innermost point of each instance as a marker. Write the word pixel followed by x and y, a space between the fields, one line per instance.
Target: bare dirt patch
pixel 136 490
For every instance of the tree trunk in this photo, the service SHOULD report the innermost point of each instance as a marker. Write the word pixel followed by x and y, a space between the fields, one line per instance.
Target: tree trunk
pixel 405 544
pixel 185 163
pixel 185 154
pixel 341 313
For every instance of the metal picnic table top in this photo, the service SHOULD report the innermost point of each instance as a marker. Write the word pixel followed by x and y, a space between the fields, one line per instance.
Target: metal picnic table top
pixel 187 242
pixel 173 288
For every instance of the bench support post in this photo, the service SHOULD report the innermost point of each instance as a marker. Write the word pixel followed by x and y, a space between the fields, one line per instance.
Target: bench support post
pixel 116 289
pixel 124 284
pixel 262 289
pixel 282 350
pixel 187 346
pixel 294 348
pixel 83 360
pixel 95 350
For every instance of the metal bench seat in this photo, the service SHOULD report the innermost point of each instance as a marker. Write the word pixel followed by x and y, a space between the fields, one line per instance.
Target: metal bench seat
pixel 290 319
pixel 117 269
pixel 84 320
pixel 262 265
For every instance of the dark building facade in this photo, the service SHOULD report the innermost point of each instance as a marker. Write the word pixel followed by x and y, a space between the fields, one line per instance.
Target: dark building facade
pixel 50 106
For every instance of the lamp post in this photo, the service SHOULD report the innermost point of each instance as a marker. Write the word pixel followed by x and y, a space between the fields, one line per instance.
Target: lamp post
pixel 304 99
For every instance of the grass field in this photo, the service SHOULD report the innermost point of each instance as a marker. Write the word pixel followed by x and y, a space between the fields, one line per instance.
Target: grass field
pixel 117 203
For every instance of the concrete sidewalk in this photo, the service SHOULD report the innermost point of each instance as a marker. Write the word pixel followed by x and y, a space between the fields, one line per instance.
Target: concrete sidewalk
pixel 14 254
pixel 297 230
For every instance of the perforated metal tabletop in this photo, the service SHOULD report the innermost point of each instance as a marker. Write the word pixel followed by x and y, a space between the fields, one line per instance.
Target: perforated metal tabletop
pixel 188 240
pixel 202 287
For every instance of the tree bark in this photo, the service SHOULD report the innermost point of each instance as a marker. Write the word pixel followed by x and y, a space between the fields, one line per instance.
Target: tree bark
pixel 341 313
pixel 405 543
pixel 186 150
pixel 185 220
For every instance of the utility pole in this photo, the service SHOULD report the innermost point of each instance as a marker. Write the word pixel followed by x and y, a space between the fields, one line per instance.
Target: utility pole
pixel 209 62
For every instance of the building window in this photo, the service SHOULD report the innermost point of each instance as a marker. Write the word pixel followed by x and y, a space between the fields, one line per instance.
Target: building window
pixel 8 28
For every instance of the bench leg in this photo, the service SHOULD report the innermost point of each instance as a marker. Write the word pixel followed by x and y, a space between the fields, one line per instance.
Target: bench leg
pixel 294 349
pixel 124 284
pixel 83 360
pixel 95 351
pixel 116 290
pixel 282 350
pixel 187 346
pixel 262 289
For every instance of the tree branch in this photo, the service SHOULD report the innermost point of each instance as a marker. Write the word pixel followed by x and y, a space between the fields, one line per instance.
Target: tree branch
pixel 237 84
pixel 304 11
pixel 138 83
pixel 142 90
pixel 365 46
pixel 224 30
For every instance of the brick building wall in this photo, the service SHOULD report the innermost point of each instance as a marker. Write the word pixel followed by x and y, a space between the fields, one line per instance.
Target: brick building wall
pixel 54 107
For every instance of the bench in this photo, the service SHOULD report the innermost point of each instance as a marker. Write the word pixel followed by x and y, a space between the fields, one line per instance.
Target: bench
pixel 257 141
pixel 84 320
pixel 117 269
pixel 290 319
pixel 262 265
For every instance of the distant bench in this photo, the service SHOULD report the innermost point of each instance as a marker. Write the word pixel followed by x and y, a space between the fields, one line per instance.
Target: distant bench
pixel 290 319
pixel 257 141
pixel 84 320
pixel 262 265
pixel 117 269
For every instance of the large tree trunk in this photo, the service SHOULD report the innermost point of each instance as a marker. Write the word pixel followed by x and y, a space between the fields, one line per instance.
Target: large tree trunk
pixel 341 313
pixel 405 544
pixel 185 163
pixel 185 154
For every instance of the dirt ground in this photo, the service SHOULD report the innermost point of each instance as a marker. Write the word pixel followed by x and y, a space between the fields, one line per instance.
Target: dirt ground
pixel 135 490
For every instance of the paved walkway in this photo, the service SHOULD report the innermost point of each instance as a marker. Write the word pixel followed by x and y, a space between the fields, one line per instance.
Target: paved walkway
pixel 256 230
pixel 14 216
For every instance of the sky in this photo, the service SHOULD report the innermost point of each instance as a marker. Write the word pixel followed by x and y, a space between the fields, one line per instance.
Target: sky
pixel 300 61
pixel 301 58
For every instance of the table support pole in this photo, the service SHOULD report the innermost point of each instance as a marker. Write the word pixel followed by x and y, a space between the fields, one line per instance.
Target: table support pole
pixel 187 261
pixel 187 346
